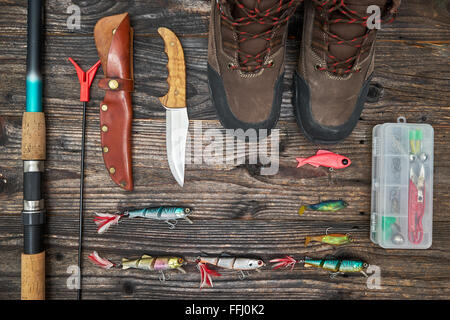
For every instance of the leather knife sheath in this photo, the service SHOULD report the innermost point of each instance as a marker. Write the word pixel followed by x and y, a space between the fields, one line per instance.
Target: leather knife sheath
pixel 114 40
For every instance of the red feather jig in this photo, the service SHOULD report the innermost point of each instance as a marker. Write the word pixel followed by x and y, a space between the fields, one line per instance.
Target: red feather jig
pixel 206 274
pixel 286 262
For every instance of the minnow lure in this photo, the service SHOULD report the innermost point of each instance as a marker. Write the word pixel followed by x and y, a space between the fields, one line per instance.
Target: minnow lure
pixel 327 159
pixel 169 215
pixel 335 266
pixel 324 206
pixel 231 263
pixel 336 239
pixel 145 262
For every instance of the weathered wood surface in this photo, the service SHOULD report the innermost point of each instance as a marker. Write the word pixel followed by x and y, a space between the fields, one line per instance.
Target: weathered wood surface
pixel 237 210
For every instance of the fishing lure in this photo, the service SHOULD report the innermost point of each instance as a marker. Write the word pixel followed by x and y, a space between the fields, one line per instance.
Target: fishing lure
pixel 230 263
pixel 335 266
pixel 169 215
pixel 145 262
pixel 336 239
pixel 324 206
pixel 325 158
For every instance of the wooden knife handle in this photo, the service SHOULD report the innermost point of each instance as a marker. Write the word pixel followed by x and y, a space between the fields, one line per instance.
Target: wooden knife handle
pixel 176 97
pixel 33 276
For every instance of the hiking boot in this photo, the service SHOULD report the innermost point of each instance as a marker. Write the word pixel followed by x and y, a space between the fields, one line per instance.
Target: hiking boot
pixel 335 66
pixel 246 60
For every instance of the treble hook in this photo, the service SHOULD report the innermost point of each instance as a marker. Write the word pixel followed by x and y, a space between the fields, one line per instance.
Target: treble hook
pixel 172 224
pixel 162 277
pixel 333 275
pixel 242 275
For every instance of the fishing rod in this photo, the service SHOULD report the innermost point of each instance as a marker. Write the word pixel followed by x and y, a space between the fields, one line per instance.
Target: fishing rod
pixel 33 156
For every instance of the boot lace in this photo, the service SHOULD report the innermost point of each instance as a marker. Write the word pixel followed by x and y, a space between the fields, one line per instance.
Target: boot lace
pixel 335 65
pixel 274 17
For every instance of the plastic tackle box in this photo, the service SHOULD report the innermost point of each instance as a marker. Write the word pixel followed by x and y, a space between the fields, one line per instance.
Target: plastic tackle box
pixel 402 185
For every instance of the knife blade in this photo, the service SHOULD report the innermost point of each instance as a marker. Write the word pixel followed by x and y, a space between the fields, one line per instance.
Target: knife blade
pixel 177 121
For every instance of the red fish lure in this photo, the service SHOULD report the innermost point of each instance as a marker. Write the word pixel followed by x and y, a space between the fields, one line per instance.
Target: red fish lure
pixel 327 159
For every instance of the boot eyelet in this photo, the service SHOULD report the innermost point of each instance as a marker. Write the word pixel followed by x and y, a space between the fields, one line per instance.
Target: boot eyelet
pixel 270 64
pixel 317 67
pixel 230 66
pixel 358 69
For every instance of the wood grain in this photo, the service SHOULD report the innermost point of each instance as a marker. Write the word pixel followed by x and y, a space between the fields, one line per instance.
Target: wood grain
pixel 176 96
pixel 236 209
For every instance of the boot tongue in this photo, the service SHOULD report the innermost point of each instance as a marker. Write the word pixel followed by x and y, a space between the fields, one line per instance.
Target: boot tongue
pixel 252 46
pixel 350 31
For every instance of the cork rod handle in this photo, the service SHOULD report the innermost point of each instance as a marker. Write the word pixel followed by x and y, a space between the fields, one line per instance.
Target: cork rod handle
pixel 33 136
pixel 33 276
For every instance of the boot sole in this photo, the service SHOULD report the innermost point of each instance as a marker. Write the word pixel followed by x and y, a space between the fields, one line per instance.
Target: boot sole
pixel 341 132
pixel 224 113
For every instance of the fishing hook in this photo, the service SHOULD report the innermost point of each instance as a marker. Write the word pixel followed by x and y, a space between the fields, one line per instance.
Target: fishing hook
pixel 172 224
pixel 242 275
pixel 333 275
pixel 162 277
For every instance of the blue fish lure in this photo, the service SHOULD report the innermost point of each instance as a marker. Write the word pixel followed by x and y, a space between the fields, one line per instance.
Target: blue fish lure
pixel 169 215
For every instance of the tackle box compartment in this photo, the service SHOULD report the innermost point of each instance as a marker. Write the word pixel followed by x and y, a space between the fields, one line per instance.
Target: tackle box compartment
pixel 402 153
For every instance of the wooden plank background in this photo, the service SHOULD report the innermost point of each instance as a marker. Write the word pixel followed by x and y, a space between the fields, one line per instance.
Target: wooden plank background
pixel 237 210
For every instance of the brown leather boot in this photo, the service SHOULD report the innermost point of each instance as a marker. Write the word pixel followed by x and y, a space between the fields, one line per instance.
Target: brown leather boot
pixel 246 60
pixel 335 66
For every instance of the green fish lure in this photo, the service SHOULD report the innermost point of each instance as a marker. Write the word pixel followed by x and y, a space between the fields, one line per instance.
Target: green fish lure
pixel 336 266
pixel 325 206
pixel 336 239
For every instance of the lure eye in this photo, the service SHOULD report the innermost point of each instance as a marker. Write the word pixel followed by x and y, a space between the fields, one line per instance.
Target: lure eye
pixel 187 210
pixel 260 263
pixel 180 260
pixel 345 162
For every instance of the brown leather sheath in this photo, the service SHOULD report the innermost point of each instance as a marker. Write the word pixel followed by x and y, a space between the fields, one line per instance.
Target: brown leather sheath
pixel 114 41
